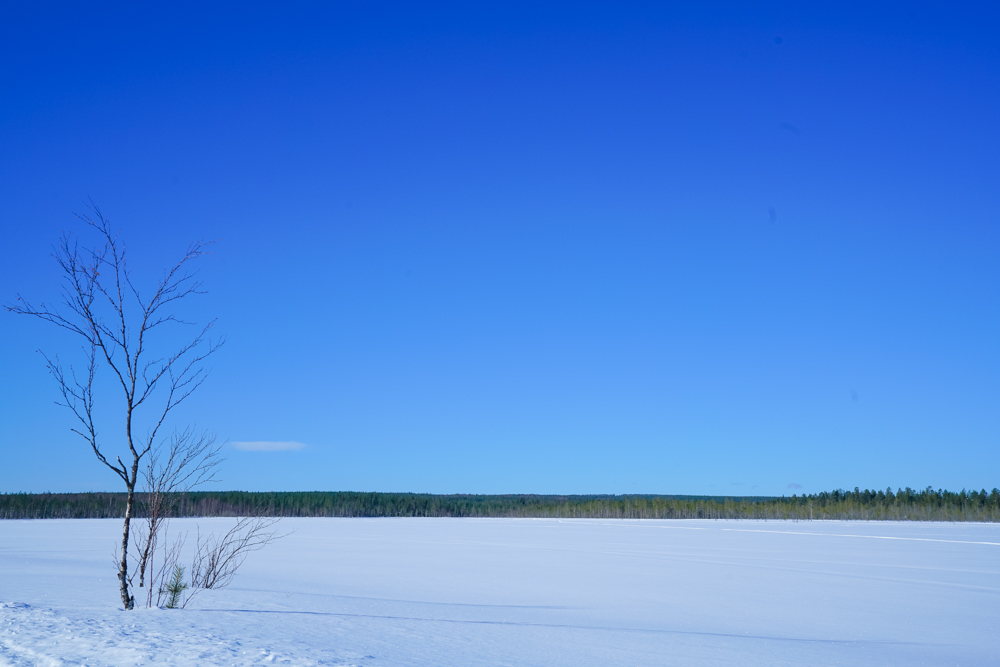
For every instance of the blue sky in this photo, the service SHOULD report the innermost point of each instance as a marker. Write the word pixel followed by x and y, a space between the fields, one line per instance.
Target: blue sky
pixel 706 249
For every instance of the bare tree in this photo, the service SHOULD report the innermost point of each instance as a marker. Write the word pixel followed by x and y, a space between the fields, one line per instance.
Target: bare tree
pixel 186 461
pixel 104 307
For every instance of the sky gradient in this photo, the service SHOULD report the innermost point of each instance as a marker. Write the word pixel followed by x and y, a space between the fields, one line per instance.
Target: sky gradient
pixel 709 249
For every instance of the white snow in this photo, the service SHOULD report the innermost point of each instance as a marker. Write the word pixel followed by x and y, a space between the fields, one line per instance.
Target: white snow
pixel 524 592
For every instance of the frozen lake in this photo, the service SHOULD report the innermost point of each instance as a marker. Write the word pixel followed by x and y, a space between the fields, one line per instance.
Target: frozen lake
pixel 524 592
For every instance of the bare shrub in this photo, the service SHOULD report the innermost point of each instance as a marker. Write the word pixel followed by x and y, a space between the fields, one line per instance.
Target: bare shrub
pixel 217 559
pixel 186 461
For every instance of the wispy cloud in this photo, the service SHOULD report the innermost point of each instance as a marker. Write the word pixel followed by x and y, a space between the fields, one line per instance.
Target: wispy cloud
pixel 268 446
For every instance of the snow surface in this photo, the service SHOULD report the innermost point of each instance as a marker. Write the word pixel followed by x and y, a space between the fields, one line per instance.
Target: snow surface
pixel 523 592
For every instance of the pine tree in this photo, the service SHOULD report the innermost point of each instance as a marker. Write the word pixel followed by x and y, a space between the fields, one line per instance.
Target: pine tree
pixel 176 588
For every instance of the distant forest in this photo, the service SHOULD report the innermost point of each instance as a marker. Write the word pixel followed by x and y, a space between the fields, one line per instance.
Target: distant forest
pixel 903 505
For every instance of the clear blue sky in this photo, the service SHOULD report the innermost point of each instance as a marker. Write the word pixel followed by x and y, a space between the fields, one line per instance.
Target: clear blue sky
pixel 707 249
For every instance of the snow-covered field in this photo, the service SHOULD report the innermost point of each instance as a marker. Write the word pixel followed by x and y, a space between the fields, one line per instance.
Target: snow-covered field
pixel 524 592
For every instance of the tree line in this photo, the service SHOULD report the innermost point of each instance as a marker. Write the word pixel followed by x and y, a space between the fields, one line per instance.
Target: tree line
pixel 865 505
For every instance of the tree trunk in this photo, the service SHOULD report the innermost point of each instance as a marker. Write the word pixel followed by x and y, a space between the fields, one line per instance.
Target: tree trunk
pixel 127 599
